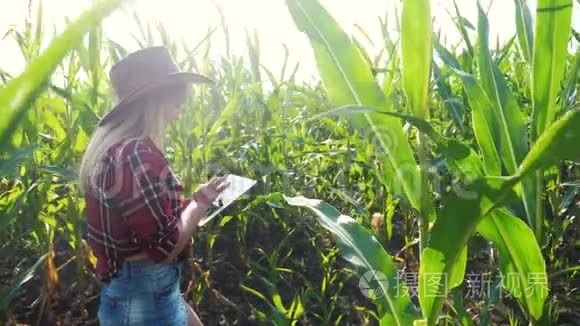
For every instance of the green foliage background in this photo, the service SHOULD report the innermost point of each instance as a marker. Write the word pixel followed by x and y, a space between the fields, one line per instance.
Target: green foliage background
pixel 435 159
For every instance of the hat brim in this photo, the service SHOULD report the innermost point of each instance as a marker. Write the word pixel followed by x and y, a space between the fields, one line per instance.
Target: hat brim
pixel 171 79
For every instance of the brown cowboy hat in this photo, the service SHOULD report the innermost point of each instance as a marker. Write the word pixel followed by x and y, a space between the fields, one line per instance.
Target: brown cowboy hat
pixel 145 71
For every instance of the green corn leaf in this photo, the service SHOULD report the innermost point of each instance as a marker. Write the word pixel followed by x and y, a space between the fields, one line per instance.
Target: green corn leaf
pixel 11 292
pixel 457 274
pixel 439 258
pixel 416 56
pixel 417 48
pixel 529 286
pixel 569 92
pixel 522 265
pixel 254 55
pixel 446 56
pixel 558 143
pixel 553 26
pixel 35 39
pixel 524 29
pixel 553 22
pixel 511 142
pixel 520 256
pixel 455 150
pixel 482 122
pixel 460 23
pixel 455 109
pixel 504 51
pixel 273 314
pixel 361 249
pixel 274 295
pixel 389 79
pixel 521 260
pixel 354 110
pixel 20 93
pixel 348 80
pixel 224 116
pixel 11 163
pixel 462 161
pixel 508 119
pixel 94 52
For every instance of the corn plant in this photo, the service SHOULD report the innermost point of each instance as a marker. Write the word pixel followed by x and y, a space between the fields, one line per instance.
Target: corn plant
pixel 20 94
pixel 488 203
pixel 416 149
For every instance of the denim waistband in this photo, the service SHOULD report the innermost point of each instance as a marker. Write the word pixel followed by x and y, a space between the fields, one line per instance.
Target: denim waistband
pixel 139 268
pixel 143 276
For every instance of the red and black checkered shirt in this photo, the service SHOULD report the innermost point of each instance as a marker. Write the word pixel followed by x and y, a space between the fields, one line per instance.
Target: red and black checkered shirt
pixel 134 206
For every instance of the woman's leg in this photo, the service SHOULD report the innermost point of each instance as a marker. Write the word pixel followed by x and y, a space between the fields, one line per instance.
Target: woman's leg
pixel 193 318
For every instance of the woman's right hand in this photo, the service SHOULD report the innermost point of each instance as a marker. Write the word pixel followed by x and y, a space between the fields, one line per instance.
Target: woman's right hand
pixel 208 192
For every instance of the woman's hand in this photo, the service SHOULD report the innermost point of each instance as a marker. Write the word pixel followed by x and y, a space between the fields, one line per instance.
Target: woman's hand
pixel 195 211
pixel 208 192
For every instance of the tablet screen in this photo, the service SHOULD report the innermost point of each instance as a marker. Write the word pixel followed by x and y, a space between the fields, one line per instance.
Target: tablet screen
pixel 238 186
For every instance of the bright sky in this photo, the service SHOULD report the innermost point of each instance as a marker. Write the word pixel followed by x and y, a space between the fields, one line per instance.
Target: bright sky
pixel 190 20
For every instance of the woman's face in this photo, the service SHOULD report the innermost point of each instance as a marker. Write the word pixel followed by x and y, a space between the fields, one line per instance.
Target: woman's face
pixel 171 111
pixel 176 97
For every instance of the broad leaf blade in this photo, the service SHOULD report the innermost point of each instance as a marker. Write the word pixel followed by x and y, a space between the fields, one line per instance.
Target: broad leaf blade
pixel 361 249
pixel 348 80
pixel 460 23
pixel 440 257
pixel 559 142
pixel 224 116
pixel 353 110
pixel 521 259
pixel 463 162
pixel 508 119
pixel 417 48
pixel 454 107
pixel 20 93
pixel 417 55
pixel 524 29
pixel 482 122
pixel 522 265
pixel 10 165
pixel 446 56
pixel 553 22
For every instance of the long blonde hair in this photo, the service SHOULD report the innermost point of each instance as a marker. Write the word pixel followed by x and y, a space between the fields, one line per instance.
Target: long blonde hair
pixel 144 118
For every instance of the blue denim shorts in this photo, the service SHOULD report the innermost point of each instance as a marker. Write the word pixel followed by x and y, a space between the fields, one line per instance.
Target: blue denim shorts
pixel 144 293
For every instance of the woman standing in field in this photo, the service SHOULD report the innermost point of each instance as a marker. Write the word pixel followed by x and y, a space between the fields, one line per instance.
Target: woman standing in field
pixel 138 224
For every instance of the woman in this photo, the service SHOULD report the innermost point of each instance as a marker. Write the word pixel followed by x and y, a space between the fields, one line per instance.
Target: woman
pixel 138 224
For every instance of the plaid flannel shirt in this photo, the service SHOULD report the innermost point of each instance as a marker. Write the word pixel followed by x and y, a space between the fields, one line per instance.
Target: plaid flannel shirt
pixel 134 207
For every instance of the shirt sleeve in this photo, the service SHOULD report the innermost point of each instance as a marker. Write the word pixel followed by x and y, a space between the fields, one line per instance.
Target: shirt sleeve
pixel 152 208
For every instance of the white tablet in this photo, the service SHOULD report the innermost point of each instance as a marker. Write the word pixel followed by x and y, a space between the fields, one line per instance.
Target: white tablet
pixel 238 186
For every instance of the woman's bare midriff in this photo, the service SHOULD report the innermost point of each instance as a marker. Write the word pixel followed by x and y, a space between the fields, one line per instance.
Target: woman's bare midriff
pixel 140 256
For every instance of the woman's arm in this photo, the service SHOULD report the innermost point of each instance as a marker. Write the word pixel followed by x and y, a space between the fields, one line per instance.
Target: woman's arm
pixel 187 225
pixel 194 212
pixel 149 200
